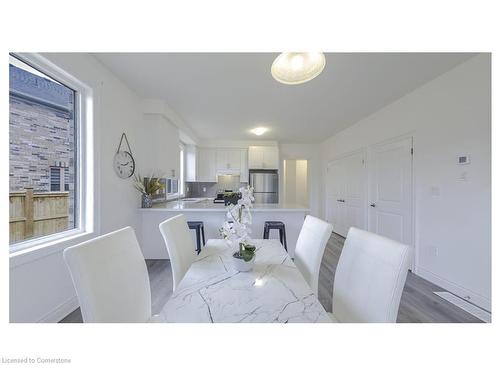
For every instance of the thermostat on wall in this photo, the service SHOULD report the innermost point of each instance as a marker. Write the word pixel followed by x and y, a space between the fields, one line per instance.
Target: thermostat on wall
pixel 463 159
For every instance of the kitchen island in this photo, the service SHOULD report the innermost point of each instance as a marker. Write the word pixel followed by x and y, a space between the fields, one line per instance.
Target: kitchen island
pixel 213 215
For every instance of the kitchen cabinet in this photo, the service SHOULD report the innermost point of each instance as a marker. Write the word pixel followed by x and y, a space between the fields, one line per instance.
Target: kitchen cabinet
pixel 244 165
pixel 206 165
pixel 263 157
pixel 228 160
pixel 213 161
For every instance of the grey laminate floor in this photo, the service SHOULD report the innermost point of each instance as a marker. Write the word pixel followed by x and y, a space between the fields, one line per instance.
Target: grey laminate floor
pixel 418 304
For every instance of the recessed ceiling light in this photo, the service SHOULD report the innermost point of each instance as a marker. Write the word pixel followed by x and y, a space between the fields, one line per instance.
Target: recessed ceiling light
pixel 292 68
pixel 259 130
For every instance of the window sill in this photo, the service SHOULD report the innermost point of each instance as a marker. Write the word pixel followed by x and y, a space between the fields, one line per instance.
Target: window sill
pixel 31 250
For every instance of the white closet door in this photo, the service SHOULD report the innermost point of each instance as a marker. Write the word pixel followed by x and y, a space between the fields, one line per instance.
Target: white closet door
pixel 345 192
pixel 354 196
pixel 391 190
pixel 334 193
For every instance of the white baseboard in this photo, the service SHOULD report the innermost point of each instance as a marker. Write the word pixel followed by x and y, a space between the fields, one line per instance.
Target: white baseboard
pixel 60 311
pixel 466 306
pixel 464 293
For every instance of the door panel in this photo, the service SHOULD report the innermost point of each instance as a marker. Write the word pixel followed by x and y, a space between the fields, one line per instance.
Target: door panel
pixel 206 165
pixel 345 193
pixel 234 159
pixel 354 192
pixel 388 169
pixel 334 195
pixel 390 225
pixel 391 190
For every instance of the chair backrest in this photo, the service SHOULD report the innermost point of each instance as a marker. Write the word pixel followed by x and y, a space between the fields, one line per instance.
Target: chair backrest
pixel 310 247
pixel 369 278
pixel 180 246
pixel 111 278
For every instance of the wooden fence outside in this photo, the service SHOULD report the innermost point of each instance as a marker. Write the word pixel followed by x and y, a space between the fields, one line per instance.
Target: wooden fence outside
pixel 37 214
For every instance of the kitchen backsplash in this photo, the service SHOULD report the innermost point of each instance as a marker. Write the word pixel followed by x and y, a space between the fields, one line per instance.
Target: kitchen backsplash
pixel 195 189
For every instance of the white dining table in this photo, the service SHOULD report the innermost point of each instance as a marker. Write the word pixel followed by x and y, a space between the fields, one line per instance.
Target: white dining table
pixel 213 291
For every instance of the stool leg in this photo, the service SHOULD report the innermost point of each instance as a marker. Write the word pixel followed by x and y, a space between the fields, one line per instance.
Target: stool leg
pixel 203 234
pixel 198 244
pixel 266 233
pixel 281 236
pixel 284 238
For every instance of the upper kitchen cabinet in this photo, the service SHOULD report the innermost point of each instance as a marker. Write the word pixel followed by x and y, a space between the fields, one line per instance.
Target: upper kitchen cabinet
pixel 263 157
pixel 228 160
pixel 244 165
pixel 206 165
pixel 212 161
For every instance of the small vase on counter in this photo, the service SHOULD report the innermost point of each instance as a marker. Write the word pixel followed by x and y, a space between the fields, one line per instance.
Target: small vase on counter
pixel 244 259
pixel 148 187
pixel 147 201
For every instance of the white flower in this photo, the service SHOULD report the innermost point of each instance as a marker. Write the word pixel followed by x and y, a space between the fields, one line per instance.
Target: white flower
pixel 237 227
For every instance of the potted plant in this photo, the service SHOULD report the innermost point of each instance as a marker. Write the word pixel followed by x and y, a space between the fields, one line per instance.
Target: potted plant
pixel 231 198
pixel 236 230
pixel 244 258
pixel 147 187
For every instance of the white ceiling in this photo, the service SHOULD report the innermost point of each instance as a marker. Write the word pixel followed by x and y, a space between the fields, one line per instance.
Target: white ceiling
pixel 223 95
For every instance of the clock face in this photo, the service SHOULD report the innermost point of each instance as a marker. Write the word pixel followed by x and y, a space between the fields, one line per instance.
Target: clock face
pixel 124 164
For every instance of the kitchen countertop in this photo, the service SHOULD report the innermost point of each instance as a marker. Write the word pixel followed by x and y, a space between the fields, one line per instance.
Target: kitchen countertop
pixel 207 204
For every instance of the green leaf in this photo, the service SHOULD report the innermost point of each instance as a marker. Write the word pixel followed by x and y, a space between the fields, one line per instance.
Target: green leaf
pixel 247 255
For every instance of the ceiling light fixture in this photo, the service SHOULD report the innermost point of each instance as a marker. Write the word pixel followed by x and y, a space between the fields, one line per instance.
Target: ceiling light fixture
pixel 259 130
pixel 293 68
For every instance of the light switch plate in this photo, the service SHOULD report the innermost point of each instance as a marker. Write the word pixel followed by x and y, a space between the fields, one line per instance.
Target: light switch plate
pixel 463 159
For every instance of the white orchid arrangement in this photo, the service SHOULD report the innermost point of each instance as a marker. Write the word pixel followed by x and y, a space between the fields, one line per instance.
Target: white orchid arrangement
pixel 236 229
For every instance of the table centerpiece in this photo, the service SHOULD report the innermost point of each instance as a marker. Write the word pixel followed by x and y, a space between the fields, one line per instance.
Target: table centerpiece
pixel 236 230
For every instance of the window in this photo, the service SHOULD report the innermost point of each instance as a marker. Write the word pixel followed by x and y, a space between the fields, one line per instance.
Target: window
pixel 43 154
pixel 181 170
pixel 59 179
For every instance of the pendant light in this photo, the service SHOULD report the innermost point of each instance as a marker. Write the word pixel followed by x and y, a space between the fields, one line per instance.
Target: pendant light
pixel 293 68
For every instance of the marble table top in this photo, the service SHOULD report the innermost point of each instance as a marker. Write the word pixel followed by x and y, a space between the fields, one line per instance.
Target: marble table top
pixel 213 291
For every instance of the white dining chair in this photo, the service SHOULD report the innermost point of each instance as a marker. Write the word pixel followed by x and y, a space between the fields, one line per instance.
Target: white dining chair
pixel 369 278
pixel 180 246
pixel 111 279
pixel 310 248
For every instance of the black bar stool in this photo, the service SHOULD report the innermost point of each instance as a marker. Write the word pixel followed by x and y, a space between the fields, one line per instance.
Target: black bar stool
pixel 198 227
pixel 268 225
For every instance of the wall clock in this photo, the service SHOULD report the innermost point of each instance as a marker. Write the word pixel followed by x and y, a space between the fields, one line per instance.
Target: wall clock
pixel 124 163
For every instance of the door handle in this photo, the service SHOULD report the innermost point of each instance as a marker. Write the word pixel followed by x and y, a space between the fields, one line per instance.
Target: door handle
pixel 340 200
pixel 372 205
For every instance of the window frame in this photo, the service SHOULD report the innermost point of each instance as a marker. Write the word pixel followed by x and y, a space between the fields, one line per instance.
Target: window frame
pixel 182 165
pixel 181 176
pixel 85 194
pixel 62 177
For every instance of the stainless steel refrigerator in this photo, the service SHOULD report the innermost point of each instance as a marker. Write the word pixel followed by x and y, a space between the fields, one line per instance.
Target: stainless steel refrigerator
pixel 265 184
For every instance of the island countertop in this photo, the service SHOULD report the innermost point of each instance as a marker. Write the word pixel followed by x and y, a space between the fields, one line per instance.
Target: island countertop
pixel 213 216
pixel 207 204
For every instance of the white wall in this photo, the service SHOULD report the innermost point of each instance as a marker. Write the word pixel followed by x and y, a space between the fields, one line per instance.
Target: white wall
pixel 295 182
pixel 302 182
pixel 311 153
pixel 448 116
pixel 40 285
